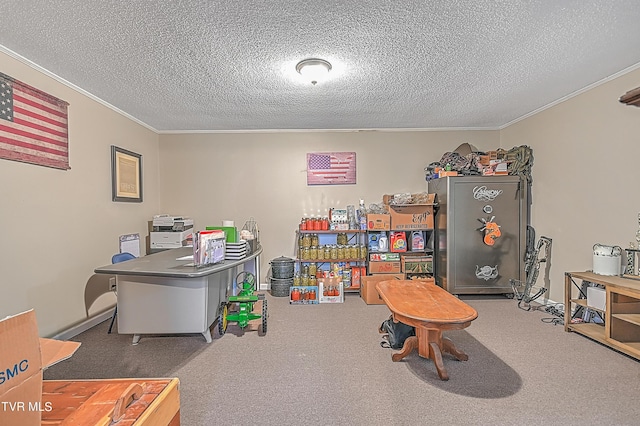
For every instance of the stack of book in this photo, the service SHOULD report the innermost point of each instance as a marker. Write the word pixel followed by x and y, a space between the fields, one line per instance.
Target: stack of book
pixel 236 251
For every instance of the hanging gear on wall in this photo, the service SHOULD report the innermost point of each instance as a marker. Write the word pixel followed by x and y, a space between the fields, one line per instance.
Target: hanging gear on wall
pixel 519 161
pixel 523 291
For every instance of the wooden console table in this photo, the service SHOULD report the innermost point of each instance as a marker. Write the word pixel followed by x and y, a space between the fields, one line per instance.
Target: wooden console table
pixel 621 328
pixel 431 310
pixel 116 402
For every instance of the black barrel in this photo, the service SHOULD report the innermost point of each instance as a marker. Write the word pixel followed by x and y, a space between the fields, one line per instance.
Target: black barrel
pixel 282 267
pixel 280 287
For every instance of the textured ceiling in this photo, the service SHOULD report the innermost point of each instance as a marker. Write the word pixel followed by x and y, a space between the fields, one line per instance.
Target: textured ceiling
pixel 416 64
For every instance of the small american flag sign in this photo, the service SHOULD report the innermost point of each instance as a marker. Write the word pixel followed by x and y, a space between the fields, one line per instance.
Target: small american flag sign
pixel 33 125
pixel 331 168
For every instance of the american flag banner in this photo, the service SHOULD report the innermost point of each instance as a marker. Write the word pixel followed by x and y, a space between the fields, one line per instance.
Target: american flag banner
pixel 33 125
pixel 331 168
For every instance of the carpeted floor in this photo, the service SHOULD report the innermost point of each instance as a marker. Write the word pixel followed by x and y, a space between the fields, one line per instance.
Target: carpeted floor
pixel 323 365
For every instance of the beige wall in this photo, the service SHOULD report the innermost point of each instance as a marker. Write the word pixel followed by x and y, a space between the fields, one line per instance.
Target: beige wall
pixel 587 157
pixel 586 150
pixel 214 177
pixel 59 225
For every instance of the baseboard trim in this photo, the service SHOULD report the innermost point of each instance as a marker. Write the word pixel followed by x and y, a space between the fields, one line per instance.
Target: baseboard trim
pixel 85 325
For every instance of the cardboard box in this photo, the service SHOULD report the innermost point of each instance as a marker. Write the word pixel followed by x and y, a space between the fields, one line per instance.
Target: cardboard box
pixel 384 257
pixel 24 357
pixel 339 226
pixel 356 274
pixel 408 217
pixel 368 291
pixel 378 222
pixel 327 284
pixel 385 267
pixel 417 264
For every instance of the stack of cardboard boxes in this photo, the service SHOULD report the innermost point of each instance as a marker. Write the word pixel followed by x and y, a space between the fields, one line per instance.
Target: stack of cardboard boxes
pixel 404 253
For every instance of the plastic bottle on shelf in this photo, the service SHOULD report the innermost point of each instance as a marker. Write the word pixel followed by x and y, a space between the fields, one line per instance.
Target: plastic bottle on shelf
pixel 362 215
pixel 383 242
pixel 417 241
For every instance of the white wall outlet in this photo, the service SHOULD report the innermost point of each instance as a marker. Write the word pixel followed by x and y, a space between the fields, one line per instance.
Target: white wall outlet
pixel 112 283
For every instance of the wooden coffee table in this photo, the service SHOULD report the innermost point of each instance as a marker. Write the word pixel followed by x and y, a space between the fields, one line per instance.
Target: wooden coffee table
pixel 431 310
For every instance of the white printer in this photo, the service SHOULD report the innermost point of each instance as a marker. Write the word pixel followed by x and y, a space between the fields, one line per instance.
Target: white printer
pixel 168 223
pixel 171 232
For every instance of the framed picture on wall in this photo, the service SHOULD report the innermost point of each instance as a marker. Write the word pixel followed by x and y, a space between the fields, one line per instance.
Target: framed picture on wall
pixel 126 175
pixel 331 168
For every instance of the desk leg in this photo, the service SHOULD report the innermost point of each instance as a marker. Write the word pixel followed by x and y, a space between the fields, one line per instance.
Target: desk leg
pixel 207 336
pixel 136 339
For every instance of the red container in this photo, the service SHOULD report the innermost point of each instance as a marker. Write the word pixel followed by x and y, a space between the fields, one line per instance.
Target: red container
pixel 295 294
pixel 398 242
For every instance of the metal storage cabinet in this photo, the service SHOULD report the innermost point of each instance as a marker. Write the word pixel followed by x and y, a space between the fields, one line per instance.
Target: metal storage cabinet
pixel 464 263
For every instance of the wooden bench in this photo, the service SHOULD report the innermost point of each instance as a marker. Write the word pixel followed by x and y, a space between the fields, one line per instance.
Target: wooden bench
pixel 431 310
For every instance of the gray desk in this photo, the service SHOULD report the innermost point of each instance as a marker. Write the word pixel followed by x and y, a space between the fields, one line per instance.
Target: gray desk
pixel 158 294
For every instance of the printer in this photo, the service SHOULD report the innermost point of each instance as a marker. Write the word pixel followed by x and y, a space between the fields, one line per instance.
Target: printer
pixel 168 223
pixel 170 232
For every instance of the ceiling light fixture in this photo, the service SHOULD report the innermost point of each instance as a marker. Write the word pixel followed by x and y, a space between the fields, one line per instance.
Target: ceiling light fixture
pixel 313 69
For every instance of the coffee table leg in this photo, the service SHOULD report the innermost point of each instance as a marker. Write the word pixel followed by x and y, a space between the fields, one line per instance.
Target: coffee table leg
pixel 409 344
pixel 431 344
pixel 436 356
pixel 449 347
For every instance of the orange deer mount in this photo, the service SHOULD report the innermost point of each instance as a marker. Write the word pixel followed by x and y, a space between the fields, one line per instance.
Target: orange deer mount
pixel 491 231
